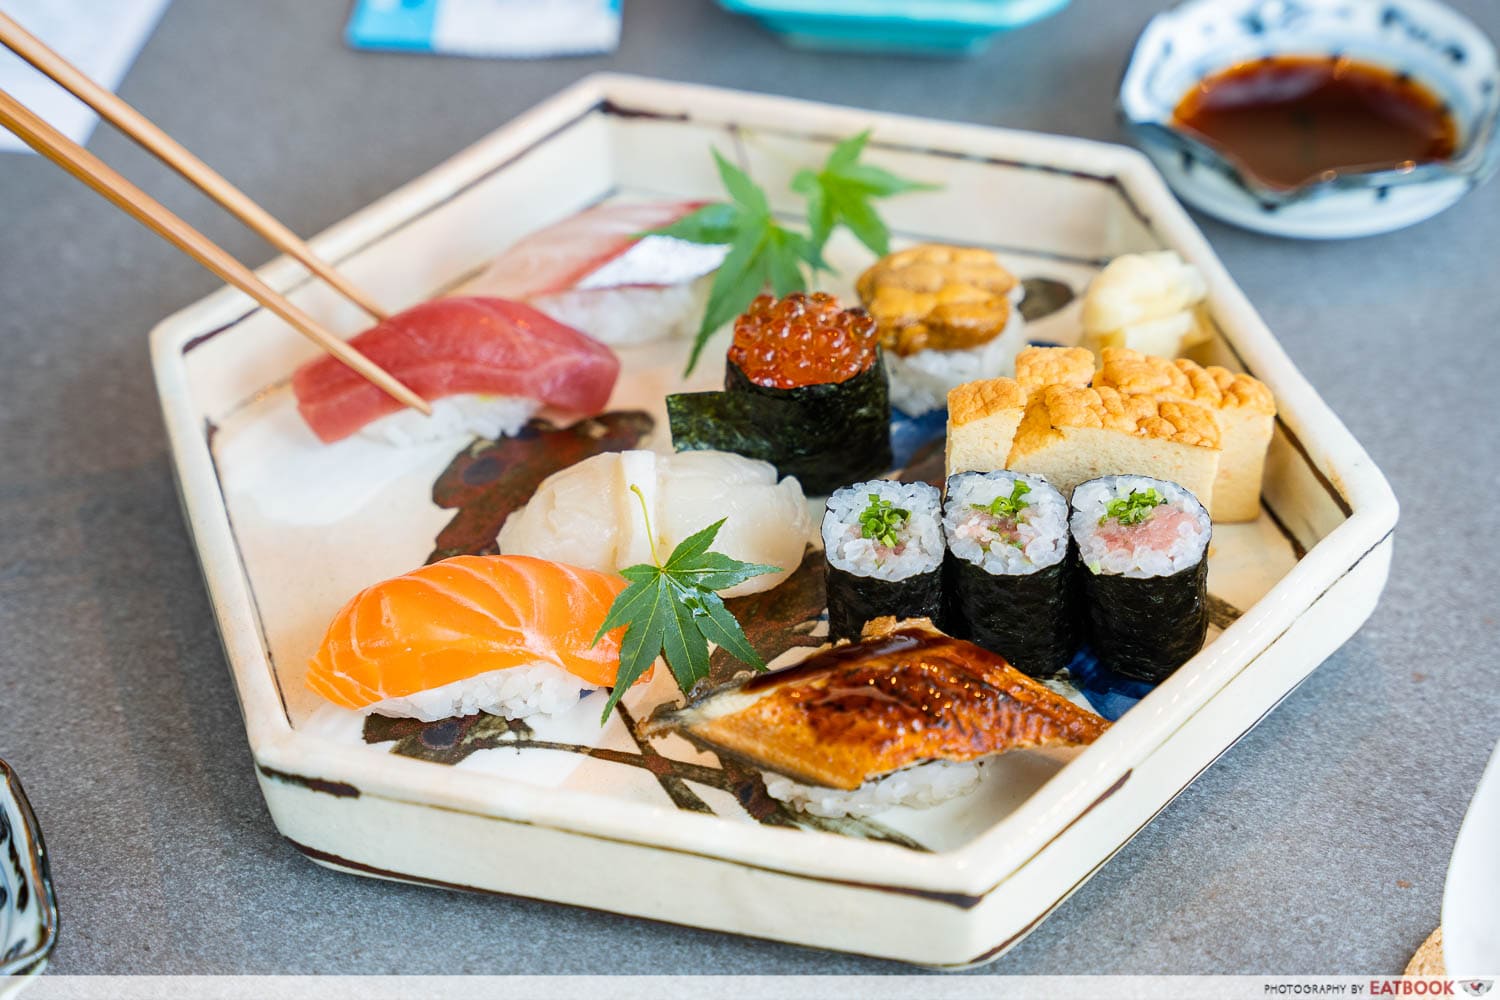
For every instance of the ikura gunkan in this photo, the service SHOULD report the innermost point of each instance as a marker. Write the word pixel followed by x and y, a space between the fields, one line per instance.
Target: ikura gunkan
pixel 884 544
pixel 804 389
pixel 1009 571
pixel 1143 547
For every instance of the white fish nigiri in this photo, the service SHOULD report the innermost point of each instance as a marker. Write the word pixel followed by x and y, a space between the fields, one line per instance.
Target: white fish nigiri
pixel 595 271
pixel 586 515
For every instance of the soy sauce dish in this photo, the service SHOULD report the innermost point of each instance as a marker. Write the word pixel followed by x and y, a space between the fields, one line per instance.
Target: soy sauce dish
pixel 1316 119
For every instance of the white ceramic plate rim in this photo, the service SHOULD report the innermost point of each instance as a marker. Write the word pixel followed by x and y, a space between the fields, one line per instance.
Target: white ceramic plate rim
pixel 977 866
pixel 1471 894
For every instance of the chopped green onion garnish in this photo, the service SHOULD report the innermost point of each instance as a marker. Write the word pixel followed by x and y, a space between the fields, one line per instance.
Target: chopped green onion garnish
pixel 1133 509
pixel 881 520
pixel 1010 506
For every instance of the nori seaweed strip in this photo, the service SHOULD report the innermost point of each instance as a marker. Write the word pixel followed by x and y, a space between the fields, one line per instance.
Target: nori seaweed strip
pixel 827 435
pixel 1147 628
pixel 854 599
pixel 1028 618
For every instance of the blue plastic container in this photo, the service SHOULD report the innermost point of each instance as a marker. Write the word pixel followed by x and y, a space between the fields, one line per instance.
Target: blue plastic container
pixel 925 27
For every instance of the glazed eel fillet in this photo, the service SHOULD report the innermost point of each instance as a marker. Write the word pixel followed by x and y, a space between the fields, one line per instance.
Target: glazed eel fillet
pixel 903 695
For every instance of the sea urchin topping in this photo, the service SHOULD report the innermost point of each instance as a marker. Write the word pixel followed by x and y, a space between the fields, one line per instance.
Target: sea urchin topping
pixel 802 340
pixel 937 297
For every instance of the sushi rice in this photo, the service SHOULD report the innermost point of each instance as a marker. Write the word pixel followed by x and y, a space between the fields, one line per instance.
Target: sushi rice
pixel 465 415
pixel 1148 558
pixel 630 314
pixel 514 692
pixel 920 786
pixel 1042 528
pixel 919 546
pixel 920 381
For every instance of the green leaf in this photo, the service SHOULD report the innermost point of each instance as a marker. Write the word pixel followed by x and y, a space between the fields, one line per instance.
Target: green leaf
pixel 692 563
pixel 631 605
pixel 846 152
pixel 716 571
pixel 639 648
pixel 863 221
pixel 692 548
pixel 715 224
pixel 879 182
pixel 721 628
pixel 764 253
pixel 741 188
pixel 682 643
pixel 840 194
pixel 783 255
pixel 644 573
pixel 820 218
pixel 673 611
pixel 737 282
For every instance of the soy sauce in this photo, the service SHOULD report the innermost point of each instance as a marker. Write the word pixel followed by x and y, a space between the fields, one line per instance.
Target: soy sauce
pixel 1293 119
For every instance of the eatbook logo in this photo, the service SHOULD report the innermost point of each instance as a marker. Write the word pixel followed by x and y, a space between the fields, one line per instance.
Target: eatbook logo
pixel 1477 987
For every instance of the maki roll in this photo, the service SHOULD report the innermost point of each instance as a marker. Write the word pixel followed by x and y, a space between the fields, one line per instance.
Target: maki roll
pixel 804 389
pixel 1143 546
pixel 883 541
pixel 1009 571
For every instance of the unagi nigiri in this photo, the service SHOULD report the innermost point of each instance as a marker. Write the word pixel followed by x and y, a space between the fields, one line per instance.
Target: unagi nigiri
pixel 508 635
pixel 454 350
pixel 894 719
pixel 595 271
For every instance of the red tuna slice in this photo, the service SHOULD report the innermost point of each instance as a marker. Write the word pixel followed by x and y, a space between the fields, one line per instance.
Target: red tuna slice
pixel 450 346
pixel 555 259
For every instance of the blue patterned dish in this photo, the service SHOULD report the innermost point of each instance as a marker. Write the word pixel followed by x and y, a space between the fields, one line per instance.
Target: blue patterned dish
pixel 28 909
pixel 930 27
pixel 1423 38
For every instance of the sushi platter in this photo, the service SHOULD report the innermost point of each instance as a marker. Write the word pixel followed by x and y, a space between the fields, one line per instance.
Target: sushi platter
pixel 874 614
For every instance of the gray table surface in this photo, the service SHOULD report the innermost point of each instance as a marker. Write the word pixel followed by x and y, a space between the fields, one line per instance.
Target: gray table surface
pixel 1318 844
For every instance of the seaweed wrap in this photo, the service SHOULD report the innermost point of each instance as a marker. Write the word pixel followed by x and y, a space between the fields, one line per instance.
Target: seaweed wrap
pixel 804 389
pixel 1143 551
pixel 883 541
pixel 1009 570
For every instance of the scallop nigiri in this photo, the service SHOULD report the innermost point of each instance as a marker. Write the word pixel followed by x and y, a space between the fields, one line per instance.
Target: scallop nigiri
pixel 508 635
pixel 590 514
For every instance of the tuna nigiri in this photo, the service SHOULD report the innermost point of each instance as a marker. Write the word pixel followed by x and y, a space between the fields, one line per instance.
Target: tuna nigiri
pixel 451 351
pixel 508 635
pixel 595 271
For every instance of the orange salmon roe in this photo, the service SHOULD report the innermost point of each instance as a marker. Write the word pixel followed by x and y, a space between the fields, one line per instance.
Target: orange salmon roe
pixel 802 340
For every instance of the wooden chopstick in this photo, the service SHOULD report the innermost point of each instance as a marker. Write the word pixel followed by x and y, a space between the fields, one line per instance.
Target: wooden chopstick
pixel 88 168
pixel 138 127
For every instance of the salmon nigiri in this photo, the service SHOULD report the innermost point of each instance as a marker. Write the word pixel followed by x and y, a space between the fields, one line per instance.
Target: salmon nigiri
pixel 508 635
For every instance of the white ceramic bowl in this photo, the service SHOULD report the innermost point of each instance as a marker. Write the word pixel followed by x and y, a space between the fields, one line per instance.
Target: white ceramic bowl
pixel 1423 38
pixel 28 909
pixel 1471 897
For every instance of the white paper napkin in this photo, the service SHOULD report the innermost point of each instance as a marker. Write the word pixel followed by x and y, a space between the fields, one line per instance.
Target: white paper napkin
pixel 100 37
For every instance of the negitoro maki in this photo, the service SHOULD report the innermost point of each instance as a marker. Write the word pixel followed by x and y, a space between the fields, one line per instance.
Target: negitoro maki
pixel 1143 549
pixel 804 389
pixel 884 544
pixel 1010 581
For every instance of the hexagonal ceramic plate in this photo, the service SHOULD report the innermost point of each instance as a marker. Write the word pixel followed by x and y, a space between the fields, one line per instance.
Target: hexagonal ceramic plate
pixel 288 529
